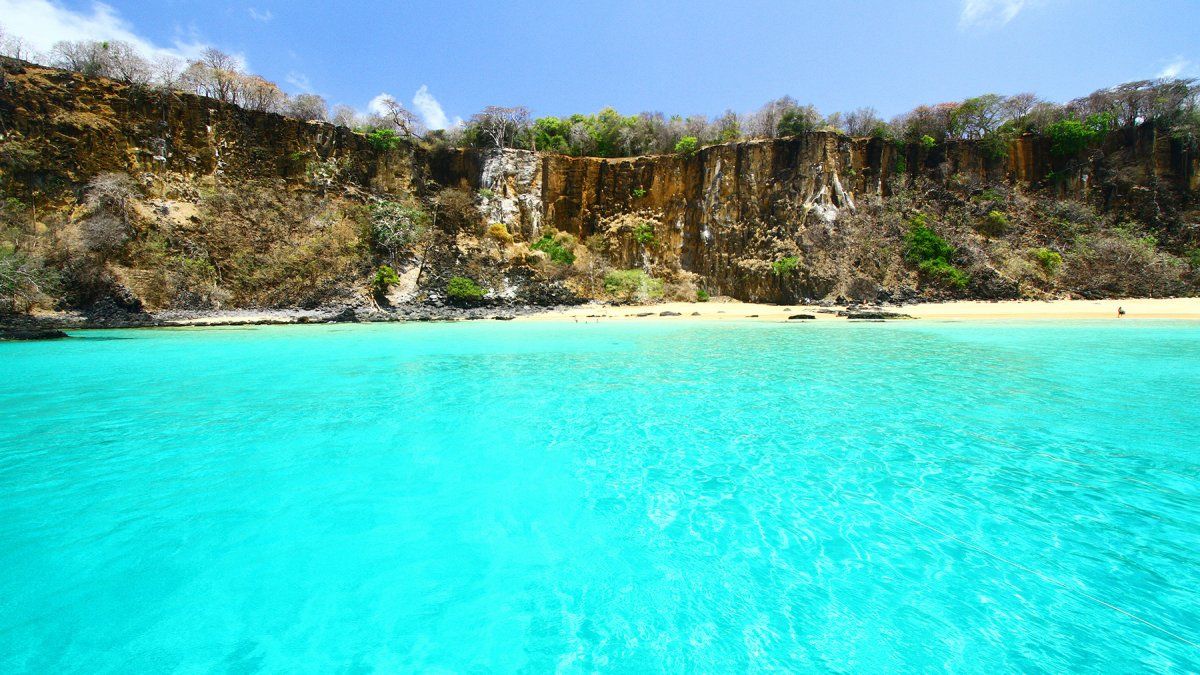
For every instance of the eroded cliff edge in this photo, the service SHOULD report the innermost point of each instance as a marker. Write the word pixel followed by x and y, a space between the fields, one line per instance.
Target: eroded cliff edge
pixel 234 208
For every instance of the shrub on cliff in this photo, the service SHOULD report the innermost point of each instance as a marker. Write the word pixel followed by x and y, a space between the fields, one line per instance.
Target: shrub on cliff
pixel 644 234
pixel 103 234
pixel 1122 261
pixel 1069 137
pixel 687 146
pixel 932 254
pixel 385 277
pixel 921 243
pixel 632 285
pixel 396 226
pixel 462 289
pixel 994 224
pixel 499 233
pixel 24 280
pixel 383 139
pixel 1048 260
pixel 110 199
pixel 554 247
pixel 785 267
pixel 455 211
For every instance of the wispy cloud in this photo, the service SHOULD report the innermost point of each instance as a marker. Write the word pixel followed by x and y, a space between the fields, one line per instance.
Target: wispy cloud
pixel 1178 66
pixel 300 81
pixel 42 23
pixel 989 13
pixel 263 15
pixel 431 111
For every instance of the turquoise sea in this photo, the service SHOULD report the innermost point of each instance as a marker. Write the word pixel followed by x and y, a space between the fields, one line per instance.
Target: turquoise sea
pixel 632 498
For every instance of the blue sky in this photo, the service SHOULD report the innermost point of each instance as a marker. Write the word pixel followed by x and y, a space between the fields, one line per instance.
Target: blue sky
pixel 676 57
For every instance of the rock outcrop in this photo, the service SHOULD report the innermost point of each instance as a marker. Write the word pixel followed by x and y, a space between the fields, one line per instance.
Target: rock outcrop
pixel 717 220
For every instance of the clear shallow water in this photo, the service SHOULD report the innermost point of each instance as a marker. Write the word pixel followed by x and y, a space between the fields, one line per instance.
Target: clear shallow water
pixel 623 498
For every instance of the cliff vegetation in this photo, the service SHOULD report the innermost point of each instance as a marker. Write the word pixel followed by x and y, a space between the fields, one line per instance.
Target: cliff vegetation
pixel 127 196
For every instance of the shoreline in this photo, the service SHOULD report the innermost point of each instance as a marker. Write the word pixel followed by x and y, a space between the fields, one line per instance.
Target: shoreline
pixel 1186 309
pixel 954 310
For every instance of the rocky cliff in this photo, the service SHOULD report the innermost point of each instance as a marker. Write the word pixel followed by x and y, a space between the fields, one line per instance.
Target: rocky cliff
pixel 730 210
pixel 235 208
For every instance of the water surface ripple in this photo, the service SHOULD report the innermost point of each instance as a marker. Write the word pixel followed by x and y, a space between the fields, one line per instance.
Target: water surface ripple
pixel 620 498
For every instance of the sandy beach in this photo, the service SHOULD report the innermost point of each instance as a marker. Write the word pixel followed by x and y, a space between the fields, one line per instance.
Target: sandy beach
pixel 1144 308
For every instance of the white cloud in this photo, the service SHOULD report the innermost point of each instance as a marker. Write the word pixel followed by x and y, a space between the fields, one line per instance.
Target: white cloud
pixel 376 104
pixel 1176 68
pixel 41 23
pixel 989 13
pixel 263 15
pixel 431 111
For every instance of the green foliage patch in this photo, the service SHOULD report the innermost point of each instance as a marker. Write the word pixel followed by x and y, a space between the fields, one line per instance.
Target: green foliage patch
pixel 786 266
pixel 644 234
pixel 462 289
pixel 383 139
pixel 932 254
pixel 630 285
pixel 385 277
pixel 553 247
pixel 687 146
pixel 1049 261
pixel 1071 136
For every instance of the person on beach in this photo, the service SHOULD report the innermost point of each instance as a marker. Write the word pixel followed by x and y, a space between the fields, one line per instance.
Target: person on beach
pixel 1120 312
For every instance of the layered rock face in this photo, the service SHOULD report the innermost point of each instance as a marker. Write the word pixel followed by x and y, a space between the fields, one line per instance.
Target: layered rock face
pixel 724 211
pixel 59 127
pixel 717 220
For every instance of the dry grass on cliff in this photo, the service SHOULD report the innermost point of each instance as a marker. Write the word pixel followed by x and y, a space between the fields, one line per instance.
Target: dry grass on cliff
pixel 249 244
pixel 1004 239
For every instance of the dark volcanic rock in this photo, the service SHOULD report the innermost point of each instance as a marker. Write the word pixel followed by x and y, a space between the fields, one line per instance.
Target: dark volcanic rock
pixel 347 315
pixel 32 334
pixel 801 316
pixel 115 311
pixel 669 314
pixel 873 315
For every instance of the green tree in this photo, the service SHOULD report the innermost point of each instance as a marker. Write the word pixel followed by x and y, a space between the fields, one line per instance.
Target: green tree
pixel 799 120
pixel 1070 137
pixel 383 139
pixel 551 134
pixel 385 277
